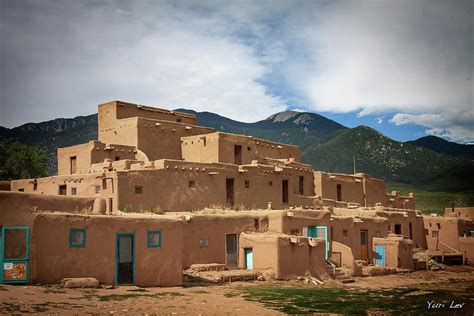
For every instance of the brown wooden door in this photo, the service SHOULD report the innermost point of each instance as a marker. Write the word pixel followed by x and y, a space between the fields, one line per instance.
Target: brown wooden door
pixel 363 245
pixel 237 154
pixel 284 191
pixel 231 250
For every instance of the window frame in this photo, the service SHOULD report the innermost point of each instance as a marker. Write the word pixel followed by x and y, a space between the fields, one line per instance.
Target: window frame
pixel 151 233
pixel 83 243
pixel 204 242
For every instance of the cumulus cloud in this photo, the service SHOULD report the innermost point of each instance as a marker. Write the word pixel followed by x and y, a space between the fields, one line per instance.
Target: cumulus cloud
pixel 243 59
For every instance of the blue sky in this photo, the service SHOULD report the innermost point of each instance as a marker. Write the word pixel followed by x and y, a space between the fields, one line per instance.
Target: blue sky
pixel 402 67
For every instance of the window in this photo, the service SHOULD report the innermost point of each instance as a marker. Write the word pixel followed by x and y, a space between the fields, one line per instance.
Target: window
pixel 178 120
pixel 301 185
pixel 77 237
pixel 438 225
pixel 117 158
pixel 247 184
pixel 154 239
pixel 97 189
pixel 248 148
pixel 73 163
pixel 191 184
pixel 62 189
pixel 138 189
pixel 434 234
pixel 398 229
pixel 338 192
pixel 104 184
pixel 73 191
pixel 21 190
pixel 270 183
pixel 35 186
pixel 344 233
pixel 204 242
pixel 256 223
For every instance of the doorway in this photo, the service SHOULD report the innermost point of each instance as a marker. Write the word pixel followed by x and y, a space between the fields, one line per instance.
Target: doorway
pixel 125 258
pixel 237 154
pixel 410 231
pixel 14 254
pixel 284 191
pixel 363 245
pixel 380 255
pixel 231 249
pixel 248 258
pixel 339 192
pixel 321 232
pixel 229 190
pixel 398 229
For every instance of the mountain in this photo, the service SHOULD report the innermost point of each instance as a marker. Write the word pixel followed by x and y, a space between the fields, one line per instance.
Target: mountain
pixel 325 144
pixel 445 147
pixel 382 157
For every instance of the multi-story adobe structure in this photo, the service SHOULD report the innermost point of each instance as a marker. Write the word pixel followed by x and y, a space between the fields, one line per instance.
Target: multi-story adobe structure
pixel 125 208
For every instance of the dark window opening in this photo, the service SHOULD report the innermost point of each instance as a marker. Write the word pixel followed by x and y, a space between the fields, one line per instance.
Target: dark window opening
pixel 138 189
pixel 248 148
pixel 73 191
pixel 21 190
pixel 344 233
pixel 97 189
pixel 284 191
pixel 256 223
pixel 73 162
pixel 229 186
pixel 270 183
pixel 204 140
pixel 438 225
pixel 398 229
pixel 411 231
pixel 434 234
pixel 178 120
pixel 247 184
pixel 104 184
pixel 35 186
pixel 62 189
pixel 237 154
pixel 339 192
pixel 301 185
pixel 117 158
pixel 191 184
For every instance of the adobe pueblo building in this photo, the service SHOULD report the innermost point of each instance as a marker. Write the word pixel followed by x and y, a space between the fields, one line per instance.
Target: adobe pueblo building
pixel 157 194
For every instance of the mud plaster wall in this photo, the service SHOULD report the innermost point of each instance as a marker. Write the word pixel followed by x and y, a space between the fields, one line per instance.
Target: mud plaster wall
pixel 466 245
pixel 52 259
pixel 467 212
pixel 398 252
pixel 347 257
pixel 201 148
pixel 215 228
pixel 5 186
pixel 351 191
pixel 293 225
pixel 90 153
pixel 448 233
pixel 288 260
pixel 170 188
pixel 418 234
pixel 374 228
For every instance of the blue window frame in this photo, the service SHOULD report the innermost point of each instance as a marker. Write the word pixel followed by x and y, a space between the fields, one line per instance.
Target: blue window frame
pixel 77 237
pixel 154 239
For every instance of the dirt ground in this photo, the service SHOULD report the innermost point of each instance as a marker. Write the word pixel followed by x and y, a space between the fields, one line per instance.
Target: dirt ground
pixel 195 300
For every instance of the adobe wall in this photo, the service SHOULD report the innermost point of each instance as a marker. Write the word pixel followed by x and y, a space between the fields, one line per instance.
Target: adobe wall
pixel 398 252
pixel 90 153
pixel 280 222
pixel 466 246
pixel 5 186
pixel 195 148
pixel 395 200
pixel 375 227
pixel 169 186
pixel 346 255
pixel 110 112
pixel 448 233
pixel 215 227
pixel 405 218
pixel 52 259
pixel 287 259
pixel 86 185
pixel 351 189
pixel 466 212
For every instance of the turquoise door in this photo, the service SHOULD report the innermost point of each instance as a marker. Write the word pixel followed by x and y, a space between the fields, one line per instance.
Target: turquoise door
pixel 319 231
pixel 380 255
pixel 249 258
pixel 14 257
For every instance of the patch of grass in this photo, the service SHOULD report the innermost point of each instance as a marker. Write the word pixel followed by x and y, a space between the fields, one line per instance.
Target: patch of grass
pixel 359 302
pixel 10 307
pixel 433 201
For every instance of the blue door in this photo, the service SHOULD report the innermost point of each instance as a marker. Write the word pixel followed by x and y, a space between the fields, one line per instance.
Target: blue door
pixel 380 255
pixel 249 258
pixel 319 231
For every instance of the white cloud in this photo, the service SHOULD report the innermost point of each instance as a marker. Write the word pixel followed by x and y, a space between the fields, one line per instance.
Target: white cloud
pixel 379 119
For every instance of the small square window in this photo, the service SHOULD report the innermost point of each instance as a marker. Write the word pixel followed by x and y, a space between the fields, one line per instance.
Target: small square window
pixel 77 237
pixel 248 148
pixel 154 239
pixel 204 242
pixel 97 189
pixel 73 191
pixel 434 234
pixel 270 183
pixel 191 184
pixel 117 158
pixel 344 233
pixel 138 189
pixel 247 184
pixel 178 120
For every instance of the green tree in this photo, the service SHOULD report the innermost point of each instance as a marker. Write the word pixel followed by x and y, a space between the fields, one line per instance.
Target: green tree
pixel 20 161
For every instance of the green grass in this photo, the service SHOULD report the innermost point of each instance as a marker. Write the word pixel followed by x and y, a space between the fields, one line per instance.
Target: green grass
pixel 354 302
pixel 433 201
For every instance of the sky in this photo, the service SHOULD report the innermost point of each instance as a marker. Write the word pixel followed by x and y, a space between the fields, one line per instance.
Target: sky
pixel 403 67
